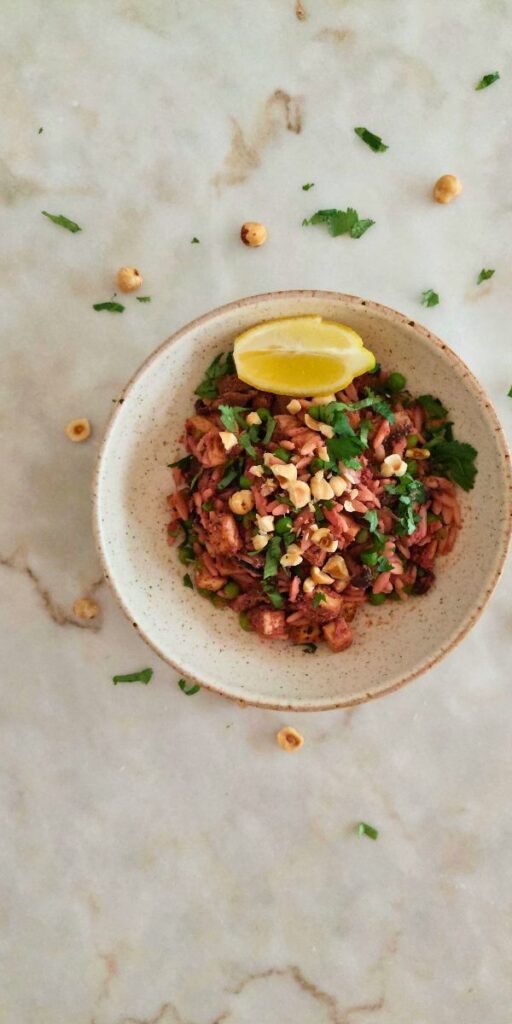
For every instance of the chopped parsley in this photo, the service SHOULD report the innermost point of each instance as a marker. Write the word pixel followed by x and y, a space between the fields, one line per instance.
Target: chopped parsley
pixel 180 463
pixel 246 440
pixel 40 132
pixel 187 581
pixel 509 393
pixel 306 188
pixel 373 141
pixel 456 460
pixel 283 454
pixel 432 406
pixel 484 275
pixel 112 307
pixel 329 413
pixel 222 364
pixel 372 519
pixel 367 830
pixel 318 598
pixel 232 470
pixel 134 677
pixel 231 416
pixel 429 298
pixel 408 491
pixel 194 241
pixel 487 80
pixel 276 599
pixel 309 648
pixel 341 222
pixel 143 298
pixel 182 683
pixel 272 556
pixel 64 222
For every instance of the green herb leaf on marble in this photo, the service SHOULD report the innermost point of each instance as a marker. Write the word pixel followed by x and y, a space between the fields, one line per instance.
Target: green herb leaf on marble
pixel 62 221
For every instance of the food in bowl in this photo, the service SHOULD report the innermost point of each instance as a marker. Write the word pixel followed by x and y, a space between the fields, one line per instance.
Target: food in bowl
pixel 295 511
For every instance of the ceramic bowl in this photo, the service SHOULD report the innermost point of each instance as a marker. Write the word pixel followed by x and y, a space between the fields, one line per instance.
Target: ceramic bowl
pixel 393 643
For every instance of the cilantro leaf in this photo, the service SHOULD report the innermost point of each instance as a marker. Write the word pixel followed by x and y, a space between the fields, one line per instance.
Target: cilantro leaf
pixel 432 406
pixel 269 429
pixel 276 599
pixel 232 470
pixel 487 80
pixel 272 556
pixel 509 393
pixel 222 364
pixel 180 463
pixel 134 677
pixel 367 830
pixel 64 222
pixel 231 416
pixel 456 460
pixel 429 298
pixel 143 298
pixel 112 307
pixel 309 648
pixel 40 132
pixel 344 448
pixel 306 188
pixel 187 581
pixel 194 241
pixel 318 598
pixel 340 222
pixel 373 141
pixel 484 275
pixel 372 519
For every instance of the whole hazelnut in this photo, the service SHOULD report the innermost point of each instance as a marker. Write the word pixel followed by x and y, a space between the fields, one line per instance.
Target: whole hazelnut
pixel 446 188
pixel 128 279
pixel 253 234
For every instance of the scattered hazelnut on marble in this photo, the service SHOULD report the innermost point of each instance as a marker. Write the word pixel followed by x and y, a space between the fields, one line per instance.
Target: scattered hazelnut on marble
pixel 446 188
pixel 289 739
pixel 128 279
pixel 85 608
pixel 78 430
pixel 253 234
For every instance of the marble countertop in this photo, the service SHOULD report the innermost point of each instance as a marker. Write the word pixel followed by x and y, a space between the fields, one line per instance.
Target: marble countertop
pixel 163 861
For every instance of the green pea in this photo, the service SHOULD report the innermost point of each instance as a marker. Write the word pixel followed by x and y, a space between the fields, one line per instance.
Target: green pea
pixel 231 590
pixel 377 598
pixel 369 557
pixel 283 525
pixel 245 481
pixel 396 382
pixel 244 621
pixel 362 536
pixel 412 441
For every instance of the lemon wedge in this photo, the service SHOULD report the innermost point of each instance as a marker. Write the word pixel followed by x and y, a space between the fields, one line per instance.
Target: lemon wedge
pixel 301 355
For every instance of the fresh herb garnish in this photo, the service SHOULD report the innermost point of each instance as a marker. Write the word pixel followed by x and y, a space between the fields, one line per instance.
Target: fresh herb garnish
pixel 309 648
pixel 456 460
pixel 487 80
pixel 273 594
pixel 64 222
pixel 134 677
pixel 432 406
pixel 194 241
pixel 484 275
pixel 231 416
pixel 269 429
pixel 429 298
pixel 187 581
pixel 180 463
pixel 222 365
pixel 246 439
pixel 112 307
pixel 329 413
pixel 143 298
pixel 232 470
pixel 340 222
pixel 373 141
pixel 318 598
pixel 306 188
pixel 509 393
pixel 272 556
pixel 372 519
pixel 408 491
pixel 367 830
pixel 344 448
pixel 41 130
pixel 283 454
pixel 182 683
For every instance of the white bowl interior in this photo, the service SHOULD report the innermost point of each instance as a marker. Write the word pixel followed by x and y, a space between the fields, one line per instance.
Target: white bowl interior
pixel 393 643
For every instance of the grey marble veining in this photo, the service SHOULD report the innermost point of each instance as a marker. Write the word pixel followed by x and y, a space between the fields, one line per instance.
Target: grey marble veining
pixel 163 862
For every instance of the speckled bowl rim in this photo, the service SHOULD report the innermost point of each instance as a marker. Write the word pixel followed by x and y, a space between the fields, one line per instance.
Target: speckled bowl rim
pixel 394 316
